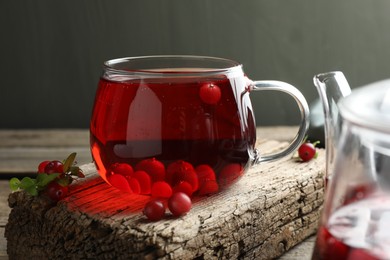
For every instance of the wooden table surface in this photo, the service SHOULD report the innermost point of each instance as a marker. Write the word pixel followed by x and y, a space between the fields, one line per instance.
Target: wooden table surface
pixel 22 150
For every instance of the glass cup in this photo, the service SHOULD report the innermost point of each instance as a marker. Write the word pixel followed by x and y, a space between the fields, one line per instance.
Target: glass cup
pixel 179 122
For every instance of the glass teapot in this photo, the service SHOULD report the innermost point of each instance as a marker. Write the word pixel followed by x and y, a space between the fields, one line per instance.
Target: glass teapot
pixel 355 222
pixel 332 87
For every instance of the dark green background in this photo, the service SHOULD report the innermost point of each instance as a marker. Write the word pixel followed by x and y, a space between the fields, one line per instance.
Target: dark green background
pixel 51 51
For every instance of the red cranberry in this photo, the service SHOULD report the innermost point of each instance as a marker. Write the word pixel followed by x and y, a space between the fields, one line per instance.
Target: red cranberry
pixel 209 187
pixel 161 189
pixel 42 165
pixel 144 181
pixel 56 192
pixel 230 173
pixel 182 171
pixel 153 167
pixel 134 185
pixel 122 169
pixel 120 182
pixel 205 173
pixel 179 204
pixel 184 187
pixel 154 210
pixel 210 94
pixel 307 151
pixel 54 167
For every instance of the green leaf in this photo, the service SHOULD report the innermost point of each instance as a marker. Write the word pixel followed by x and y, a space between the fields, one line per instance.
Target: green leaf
pixel 69 161
pixel 32 190
pixel 29 185
pixel 65 181
pixel 14 184
pixel 44 179
pixel 75 171
pixel 27 182
pixel 315 143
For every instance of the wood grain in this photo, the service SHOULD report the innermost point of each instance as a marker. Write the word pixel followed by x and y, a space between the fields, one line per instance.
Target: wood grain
pixel 31 146
pixel 4 212
pixel 272 208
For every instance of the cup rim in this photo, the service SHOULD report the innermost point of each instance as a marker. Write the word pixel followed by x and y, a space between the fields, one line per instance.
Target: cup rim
pixel 112 66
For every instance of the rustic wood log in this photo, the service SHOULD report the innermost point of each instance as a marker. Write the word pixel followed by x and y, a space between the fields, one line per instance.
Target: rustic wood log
pixel 4 212
pixel 272 208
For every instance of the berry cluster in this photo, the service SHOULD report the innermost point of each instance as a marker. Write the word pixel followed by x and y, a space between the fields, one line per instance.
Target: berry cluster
pixel 53 179
pixel 175 183
pixel 179 204
pixel 151 177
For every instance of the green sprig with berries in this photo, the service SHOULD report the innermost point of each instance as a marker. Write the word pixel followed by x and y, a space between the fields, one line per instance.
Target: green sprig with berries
pixel 54 177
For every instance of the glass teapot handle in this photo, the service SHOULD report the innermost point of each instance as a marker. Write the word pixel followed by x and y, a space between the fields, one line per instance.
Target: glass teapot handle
pixel 304 112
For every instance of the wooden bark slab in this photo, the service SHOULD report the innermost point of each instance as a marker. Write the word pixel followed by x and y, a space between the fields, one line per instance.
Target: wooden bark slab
pixel 272 208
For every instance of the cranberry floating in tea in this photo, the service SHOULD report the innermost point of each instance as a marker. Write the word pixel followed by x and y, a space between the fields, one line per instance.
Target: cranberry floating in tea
pixel 163 125
pixel 355 222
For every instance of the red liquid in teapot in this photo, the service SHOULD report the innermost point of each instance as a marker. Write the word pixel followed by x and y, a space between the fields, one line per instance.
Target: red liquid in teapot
pixel 359 230
pixel 177 124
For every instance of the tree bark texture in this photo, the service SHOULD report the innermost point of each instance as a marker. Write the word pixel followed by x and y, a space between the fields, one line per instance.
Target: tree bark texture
pixel 273 207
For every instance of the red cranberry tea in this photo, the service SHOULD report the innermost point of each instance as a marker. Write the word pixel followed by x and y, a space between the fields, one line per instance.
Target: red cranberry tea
pixel 358 230
pixel 158 136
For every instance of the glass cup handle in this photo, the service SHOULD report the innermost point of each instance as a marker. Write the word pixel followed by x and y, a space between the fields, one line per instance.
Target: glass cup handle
pixel 303 108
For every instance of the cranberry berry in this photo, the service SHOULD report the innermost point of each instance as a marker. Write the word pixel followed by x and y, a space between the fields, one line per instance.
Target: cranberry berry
pixel 56 191
pixel 134 184
pixel 122 169
pixel 207 179
pixel 42 165
pixel 179 204
pixel 307 151
pixel 154 210
pixel 184 187
pixel 209 187
pixel 54 167
pixel 230 173
pixel 210 94
pixel 180 171
pixel 205 173
pixel 144 181
pixel 153 167
pixel 161 189
pixel 120 182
